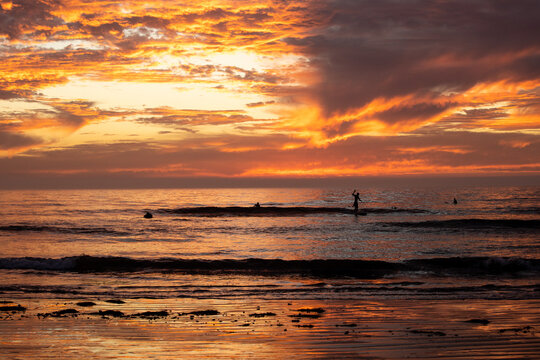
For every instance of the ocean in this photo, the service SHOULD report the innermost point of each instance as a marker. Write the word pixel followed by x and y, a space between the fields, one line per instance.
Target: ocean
pixel 407 243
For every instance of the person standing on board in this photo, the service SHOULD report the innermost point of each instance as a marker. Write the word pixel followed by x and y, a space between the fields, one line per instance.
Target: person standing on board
pixel 356 200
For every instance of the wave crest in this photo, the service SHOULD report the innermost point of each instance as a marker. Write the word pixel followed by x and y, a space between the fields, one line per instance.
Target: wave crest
pixel 278 211
pixel 462 266
pixel 470 224
pixel 58 229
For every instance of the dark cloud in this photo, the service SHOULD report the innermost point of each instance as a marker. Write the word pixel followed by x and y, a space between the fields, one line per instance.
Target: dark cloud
pixel 386 48
pixel 238 73
pixel 456 150
pixel 90 158
pixel 216 14
pixel 236 155
pixel 182 119
pixel 213 14
pixel 11 140
pixel 6 95
pixel 248 17
pixel 260 103
pixel 150 21
pixel 190 157
pixel 256 17
pixel 220 26
pixel 26 15
pixel 233 72
pixel 77 58
pixel 108 30
pixel 406 112
pixel 469 118
pixel 68 115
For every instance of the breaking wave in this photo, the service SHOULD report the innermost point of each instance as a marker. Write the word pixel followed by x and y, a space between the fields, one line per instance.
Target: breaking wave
pixel 278 211
pixel 59 229
pixel 461 266
pixel 470 224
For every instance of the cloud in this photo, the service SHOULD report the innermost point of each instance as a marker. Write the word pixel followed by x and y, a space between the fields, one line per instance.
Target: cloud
pixel 13 141
pixel 260 103
pixel 179 119
pixel 149 21
pixel 6 95
pixel 51 120
pixel 111 30
pixel 460 152
pixel 385 49
pixel 234 155
pixel 28 15
pixel 407 112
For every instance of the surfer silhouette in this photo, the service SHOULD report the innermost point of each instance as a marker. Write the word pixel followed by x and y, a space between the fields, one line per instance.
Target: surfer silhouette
pixel 148 215
pixel 257 205
pixel 356 200
pixel 455 201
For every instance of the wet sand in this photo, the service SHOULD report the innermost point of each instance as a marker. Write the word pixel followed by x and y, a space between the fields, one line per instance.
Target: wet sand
pixel 94 328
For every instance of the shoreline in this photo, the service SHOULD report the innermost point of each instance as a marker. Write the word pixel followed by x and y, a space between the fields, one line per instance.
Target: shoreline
pixel 269 329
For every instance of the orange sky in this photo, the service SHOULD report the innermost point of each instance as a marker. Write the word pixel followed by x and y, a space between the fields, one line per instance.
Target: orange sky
pixel 268 88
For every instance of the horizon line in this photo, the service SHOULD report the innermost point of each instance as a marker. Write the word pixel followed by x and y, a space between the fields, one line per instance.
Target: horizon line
pixel 99 182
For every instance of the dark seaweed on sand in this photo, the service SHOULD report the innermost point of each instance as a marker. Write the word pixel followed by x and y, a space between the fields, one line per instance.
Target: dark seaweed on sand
pixel 478 321
pixel 308 316
pixel 525 330
pixel 12 308
pixel 59 313
pixel 201 313
pixel 151 314
pixel 310 313
pixel 144 315
pixel 86 303
pixel 114 301
pixel 428 332
pixel 113 313
pixel 347 325
pixel 259 315
pixel 311 310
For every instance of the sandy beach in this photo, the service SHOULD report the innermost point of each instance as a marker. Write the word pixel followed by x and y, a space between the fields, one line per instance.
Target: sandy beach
pixel 276 329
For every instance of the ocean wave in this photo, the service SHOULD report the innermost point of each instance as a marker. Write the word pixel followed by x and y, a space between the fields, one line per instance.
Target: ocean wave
pixel 533 210
pixel 334 291
pixel 367 269
pixel 278 211
pixel 59 229
pixel 30 263
pixel 470 224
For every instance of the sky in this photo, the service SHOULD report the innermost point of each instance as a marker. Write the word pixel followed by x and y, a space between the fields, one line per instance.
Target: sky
pixel 141 91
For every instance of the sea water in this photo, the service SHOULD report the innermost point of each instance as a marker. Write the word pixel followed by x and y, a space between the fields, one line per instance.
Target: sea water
pixel 301 243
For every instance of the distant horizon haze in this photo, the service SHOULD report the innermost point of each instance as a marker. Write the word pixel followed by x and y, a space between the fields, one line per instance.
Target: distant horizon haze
pixel 96 181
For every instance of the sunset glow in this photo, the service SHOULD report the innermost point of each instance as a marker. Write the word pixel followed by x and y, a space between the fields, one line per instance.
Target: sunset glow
pixel 269 88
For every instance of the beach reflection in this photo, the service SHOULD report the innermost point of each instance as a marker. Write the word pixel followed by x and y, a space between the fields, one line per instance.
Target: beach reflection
pixel 253 328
